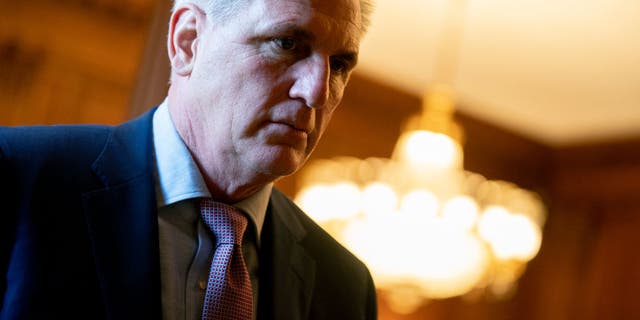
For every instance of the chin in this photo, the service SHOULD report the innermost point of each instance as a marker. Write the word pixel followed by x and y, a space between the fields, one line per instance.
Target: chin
pixel 282 162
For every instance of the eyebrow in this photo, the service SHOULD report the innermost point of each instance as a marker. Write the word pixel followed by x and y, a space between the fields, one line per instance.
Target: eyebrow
pixel 294 30
pixel 299 33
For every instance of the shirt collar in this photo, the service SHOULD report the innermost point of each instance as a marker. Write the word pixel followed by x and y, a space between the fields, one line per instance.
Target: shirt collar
pixel 178 177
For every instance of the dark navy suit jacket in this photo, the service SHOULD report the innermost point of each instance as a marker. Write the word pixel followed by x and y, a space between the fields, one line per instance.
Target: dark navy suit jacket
pixel 79 234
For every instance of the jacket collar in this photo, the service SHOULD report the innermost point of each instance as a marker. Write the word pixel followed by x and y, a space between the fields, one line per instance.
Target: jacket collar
pixel 289 271
pixel 122 222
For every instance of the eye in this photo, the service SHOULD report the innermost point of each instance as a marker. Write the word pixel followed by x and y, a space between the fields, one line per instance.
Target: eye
pixel 287 44
pixel 339 65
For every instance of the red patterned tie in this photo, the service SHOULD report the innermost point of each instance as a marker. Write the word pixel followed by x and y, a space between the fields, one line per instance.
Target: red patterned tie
pixel 229 289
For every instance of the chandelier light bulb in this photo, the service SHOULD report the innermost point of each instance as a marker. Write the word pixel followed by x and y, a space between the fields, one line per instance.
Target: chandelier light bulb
pixel 461 212
pixel 343 205
pixel 312 199
pixel 453 261
pixel 378 199
pixel 426 149
pixel 420 203
pixel 527 238
pixel 511 236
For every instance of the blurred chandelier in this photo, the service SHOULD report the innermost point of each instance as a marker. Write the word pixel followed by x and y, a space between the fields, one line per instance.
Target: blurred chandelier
pixel 425 227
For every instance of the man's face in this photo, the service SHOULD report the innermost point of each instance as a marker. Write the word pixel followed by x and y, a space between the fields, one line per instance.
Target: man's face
pixel 265 83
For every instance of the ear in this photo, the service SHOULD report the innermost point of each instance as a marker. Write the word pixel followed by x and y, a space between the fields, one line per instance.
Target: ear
pixel 185 25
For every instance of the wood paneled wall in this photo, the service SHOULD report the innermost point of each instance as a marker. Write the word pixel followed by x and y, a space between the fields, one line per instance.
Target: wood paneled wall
pixel 593 240
pixel 69 61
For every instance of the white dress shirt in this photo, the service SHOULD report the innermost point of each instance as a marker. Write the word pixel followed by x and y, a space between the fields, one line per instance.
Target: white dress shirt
pixel 186 244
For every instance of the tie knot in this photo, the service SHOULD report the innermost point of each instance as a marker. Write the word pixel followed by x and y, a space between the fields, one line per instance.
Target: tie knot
pixel 226 222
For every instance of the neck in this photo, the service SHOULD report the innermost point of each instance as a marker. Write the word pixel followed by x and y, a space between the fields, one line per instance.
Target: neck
pixel 230 187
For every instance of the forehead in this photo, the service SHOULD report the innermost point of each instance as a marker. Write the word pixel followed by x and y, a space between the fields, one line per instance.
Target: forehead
pixel 338 20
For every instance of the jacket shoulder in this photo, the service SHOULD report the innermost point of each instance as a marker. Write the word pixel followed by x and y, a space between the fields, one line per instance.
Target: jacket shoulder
pixel 314 237
pixel 340 275
pixel 67 147
pixel 35 144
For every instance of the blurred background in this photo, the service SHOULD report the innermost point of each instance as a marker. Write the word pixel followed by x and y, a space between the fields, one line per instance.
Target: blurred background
pixel 542 97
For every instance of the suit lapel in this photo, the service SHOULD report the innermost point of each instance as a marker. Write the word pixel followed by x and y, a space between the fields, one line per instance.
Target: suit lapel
pixel 122 221
pixel 291 272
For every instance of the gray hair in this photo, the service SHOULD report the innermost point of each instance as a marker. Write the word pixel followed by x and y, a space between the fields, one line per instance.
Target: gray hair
pixel 225 9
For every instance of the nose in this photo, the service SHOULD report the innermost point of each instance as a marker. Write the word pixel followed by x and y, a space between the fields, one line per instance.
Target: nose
pixel 311 82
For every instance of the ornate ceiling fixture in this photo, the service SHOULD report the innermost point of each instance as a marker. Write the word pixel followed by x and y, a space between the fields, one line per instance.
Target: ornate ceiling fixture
pixel 425 227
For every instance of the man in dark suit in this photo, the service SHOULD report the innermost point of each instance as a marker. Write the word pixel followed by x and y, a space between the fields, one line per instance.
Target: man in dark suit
pixel 104 222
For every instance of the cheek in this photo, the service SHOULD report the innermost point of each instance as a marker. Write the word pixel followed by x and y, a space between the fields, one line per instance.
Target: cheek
pixel 335 98
pixel 264 83
pixel 323 117
pixel 336 91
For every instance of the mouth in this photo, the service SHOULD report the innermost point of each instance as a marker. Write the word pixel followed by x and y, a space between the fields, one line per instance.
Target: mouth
pixel 287 133
pixel 302 128
pixel 288 129
pixel 299 127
